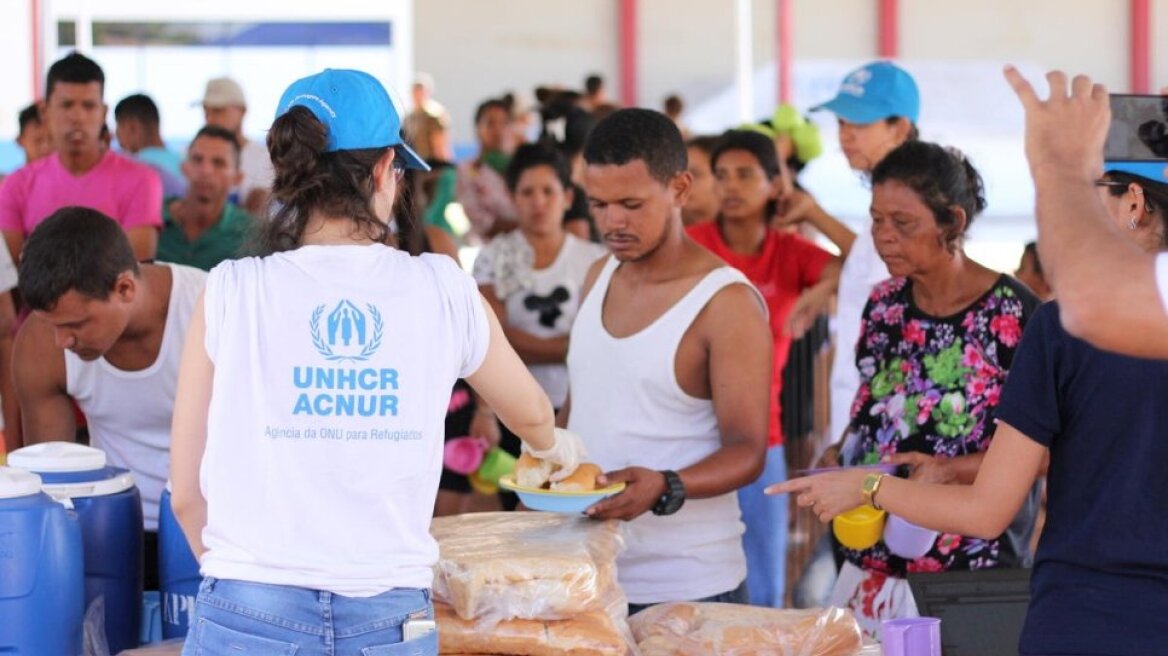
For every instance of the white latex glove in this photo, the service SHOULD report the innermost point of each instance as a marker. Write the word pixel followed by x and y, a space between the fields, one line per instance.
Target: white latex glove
pixel 566 453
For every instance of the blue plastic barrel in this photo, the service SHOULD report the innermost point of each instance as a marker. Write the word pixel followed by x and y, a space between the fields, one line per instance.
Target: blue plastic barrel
pixel 178 573
pixel 109 509
pixel 42 595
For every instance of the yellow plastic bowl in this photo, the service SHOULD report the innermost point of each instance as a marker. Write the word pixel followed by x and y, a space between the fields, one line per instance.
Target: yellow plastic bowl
pixel 859 528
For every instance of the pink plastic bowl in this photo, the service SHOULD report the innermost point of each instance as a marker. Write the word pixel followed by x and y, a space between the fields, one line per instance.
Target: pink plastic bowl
pixel 463 455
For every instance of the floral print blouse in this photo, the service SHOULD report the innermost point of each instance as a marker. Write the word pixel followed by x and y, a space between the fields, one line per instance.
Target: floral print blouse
pixel 930 384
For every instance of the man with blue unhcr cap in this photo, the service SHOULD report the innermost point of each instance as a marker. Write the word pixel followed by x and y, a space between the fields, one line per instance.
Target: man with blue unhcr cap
pixel 877 106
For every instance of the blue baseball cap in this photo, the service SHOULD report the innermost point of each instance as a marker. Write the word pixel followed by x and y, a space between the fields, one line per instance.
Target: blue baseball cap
pixel 1153 170
pixel 356 110
pixel 875 92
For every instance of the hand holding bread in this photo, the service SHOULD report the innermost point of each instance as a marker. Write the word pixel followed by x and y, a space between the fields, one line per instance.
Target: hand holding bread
pixel 565 455
pixel 534 473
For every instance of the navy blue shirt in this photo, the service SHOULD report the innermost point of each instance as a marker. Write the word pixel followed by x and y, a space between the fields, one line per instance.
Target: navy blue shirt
pixel 1100 578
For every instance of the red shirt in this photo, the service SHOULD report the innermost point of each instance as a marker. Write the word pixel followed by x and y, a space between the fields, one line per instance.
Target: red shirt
pixel 782 268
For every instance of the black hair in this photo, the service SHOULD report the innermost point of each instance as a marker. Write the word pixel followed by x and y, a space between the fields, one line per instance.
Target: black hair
pixel 216 132
pixel 593 84
pixel 704 143
pixel 1155 194
pixel 308 179
pixel 138 107
pixel 755 143
pixel 75 249
pixel 530 156
pixel 758 145
pixel 914 134
pixel 673 104
pixel 28 116
pixel 632 134
pixel 565 125
pixel 1031 249
pixel 942 177
pixel 489 104
pixel 74 68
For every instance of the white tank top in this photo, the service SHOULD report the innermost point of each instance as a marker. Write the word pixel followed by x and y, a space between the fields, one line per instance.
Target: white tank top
pixel 333 369
pixel 629 409
pixel 129 412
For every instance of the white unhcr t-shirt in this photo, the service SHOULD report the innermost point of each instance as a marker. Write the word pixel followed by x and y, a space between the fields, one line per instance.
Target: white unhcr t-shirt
pixel 1162 278
pixel 333 369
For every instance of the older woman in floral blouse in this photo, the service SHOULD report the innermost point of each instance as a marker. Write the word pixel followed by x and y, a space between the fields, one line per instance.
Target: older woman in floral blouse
pixel 936 344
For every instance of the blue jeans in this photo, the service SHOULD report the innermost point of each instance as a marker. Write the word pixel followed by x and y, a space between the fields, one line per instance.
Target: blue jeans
pixel 765 540
pixel 738 595
pixel 242 618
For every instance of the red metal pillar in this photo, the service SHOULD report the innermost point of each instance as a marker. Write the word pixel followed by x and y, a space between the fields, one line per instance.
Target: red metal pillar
pixel 627 28
pixel 1141 47
pixel 783 49
pixel 36 59
pixel 888 19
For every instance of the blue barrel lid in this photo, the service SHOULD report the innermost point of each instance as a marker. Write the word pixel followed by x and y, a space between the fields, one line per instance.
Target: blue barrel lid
pixel 18 483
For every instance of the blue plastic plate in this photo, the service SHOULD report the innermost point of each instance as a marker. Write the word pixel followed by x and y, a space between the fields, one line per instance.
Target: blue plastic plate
pixel 561 502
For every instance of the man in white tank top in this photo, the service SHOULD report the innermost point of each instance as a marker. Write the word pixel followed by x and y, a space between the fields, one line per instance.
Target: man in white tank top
pixel 107 333
pixel 669 370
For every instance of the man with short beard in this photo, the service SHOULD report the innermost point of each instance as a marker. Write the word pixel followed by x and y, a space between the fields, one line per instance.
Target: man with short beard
pixel 669 369
pixel 203 227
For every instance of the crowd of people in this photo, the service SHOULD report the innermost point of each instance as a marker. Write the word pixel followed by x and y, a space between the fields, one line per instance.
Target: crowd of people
pixel 638 286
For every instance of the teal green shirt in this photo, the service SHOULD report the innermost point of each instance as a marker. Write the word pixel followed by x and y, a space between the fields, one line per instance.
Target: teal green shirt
pixel 225 240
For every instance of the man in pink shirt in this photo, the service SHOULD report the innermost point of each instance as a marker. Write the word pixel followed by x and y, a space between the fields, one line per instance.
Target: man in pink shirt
pixel 81 172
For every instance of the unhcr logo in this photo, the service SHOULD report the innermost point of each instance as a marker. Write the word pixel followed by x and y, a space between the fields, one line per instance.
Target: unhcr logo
pixel 348 333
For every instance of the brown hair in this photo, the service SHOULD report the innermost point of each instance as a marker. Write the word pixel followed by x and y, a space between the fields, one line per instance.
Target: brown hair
pixel 308 179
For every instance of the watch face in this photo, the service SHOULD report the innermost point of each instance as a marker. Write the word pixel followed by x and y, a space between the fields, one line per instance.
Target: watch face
pixel 673 498
pixel 672 504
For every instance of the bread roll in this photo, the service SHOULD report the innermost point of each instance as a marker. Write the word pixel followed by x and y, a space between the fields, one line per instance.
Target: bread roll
pixel 531 471
pixel 581 480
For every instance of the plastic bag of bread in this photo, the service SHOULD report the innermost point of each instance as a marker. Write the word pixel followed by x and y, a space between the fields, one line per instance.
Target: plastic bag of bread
pixel 700 629
pixel 593 633
pixel 526 565
pixel 495 568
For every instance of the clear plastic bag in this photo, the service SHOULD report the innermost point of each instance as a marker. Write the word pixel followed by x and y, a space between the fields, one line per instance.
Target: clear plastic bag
pixel 701 629
pixel 93 629
pixel 547 569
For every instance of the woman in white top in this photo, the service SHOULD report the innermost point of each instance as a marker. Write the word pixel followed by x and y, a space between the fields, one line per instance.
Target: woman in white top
pixel 308 430
pixel 532 276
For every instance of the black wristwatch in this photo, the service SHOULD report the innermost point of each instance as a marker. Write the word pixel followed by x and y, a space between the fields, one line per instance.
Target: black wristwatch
pixel 674 496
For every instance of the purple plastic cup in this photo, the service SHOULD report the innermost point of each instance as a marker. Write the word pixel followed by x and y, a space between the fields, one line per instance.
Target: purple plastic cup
pixel 911 636
pixel 906 539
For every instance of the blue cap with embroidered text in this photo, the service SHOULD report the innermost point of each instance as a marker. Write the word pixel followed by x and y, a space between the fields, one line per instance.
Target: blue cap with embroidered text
pixel 875 92
pixel 1153 170
pixel 355 109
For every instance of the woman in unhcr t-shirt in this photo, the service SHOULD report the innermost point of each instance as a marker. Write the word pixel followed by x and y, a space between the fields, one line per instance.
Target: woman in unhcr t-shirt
pixel 308 431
